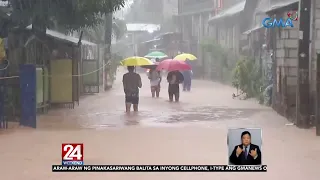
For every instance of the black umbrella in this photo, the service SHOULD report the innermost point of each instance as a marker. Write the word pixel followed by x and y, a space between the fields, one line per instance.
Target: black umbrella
pixel 178 74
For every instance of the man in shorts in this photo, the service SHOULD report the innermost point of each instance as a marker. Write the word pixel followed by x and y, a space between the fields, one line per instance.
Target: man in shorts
pixel 131 84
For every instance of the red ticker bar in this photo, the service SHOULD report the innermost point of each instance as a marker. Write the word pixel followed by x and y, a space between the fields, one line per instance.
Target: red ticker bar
pixel 159 168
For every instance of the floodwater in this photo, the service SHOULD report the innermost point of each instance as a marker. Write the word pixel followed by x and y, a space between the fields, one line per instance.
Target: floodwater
pixel 190 132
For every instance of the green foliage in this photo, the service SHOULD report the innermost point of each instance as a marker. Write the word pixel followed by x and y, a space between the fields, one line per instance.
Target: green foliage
pixel 218 52
pixel 96 34
pixel 113 65
pixel 247 77
pixel 119 27
pixel 70 14
pixel 222 61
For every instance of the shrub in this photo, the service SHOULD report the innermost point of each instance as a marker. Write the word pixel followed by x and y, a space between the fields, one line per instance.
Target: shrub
pixel 247 77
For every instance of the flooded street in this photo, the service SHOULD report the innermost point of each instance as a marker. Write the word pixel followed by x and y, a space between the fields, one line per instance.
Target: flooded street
pixel 190 132
pixel 209 104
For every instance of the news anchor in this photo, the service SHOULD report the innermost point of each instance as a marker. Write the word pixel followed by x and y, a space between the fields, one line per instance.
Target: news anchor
pixel 246 153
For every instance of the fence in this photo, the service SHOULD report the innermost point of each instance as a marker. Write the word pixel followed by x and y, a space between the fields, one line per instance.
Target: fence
pixel 90 63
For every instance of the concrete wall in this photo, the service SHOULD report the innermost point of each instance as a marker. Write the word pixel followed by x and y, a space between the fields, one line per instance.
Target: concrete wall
pixel 315 46
pixel 315 41
pixel 287 54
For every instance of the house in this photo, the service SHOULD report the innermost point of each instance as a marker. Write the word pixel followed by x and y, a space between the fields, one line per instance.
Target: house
pixel 55 54
pixel 193 19
pixel 256 33
pixel 193 16
pixel 315 49
pixel 169 43
pixel 225 27
pixel 259 46
pixel 284 44
pixel 225 30
pixel 137 33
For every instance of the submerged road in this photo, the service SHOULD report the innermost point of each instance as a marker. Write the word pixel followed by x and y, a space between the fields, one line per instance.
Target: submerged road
pixel 193 131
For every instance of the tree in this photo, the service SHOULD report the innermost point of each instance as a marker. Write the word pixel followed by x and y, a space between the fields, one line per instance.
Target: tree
pixel 102 34
pixel 96 34
pixel 70 14
pixel 142 11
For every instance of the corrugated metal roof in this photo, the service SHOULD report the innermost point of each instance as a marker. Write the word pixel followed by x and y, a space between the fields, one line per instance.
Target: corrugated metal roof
pixel 61 36
pixel 278 5
pixel 167 33
pixel 263 7
pixel 230 11
pixel 143 27
pixel 197 11
pixel 253 29
pixel 152 40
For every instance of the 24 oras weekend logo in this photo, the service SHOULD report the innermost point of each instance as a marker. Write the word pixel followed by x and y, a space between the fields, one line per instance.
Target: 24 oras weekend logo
pixel 72 154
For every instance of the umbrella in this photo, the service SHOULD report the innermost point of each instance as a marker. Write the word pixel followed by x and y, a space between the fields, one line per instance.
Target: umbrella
pixel 173 65
pixel 153 66
pixel 185 56
pixel 135 61
pixel 156 54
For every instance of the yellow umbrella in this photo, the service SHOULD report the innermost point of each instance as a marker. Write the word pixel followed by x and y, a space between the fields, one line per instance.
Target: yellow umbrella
pixel 136 61
pixel 185 56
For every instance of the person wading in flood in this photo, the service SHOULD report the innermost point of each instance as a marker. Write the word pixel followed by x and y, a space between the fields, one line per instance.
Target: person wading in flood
pixel 187 80
pixel 187 77
pixel 174 78
pixel 155 80
pixel 131 84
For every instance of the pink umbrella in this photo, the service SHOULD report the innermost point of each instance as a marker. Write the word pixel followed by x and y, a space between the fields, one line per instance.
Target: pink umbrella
pixel 173 65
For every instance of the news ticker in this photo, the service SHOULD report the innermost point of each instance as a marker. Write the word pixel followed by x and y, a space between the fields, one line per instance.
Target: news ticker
pixel 159 168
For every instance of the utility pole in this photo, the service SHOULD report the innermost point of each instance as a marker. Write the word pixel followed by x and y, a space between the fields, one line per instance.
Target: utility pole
pixel 303 94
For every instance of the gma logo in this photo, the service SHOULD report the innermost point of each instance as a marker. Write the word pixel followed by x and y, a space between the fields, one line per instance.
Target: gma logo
pixel 281 23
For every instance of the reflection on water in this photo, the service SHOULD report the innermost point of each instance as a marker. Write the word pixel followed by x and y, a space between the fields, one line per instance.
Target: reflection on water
pixel 132 118
pixel 174 115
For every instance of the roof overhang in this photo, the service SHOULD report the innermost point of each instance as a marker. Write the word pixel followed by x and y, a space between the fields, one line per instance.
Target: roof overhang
pixel 232 11
pixel 153 40
pixel 63 37
pixel 292 4
pixel 253 30
pixel 137 27
pixel 196 12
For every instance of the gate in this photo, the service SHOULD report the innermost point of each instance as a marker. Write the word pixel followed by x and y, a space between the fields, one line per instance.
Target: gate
pixel 28 95
pixel 90 78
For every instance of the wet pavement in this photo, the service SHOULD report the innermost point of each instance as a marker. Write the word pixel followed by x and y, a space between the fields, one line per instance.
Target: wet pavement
pixel 190 132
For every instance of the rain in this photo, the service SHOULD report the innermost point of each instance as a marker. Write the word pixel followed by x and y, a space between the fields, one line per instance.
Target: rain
pixel 159 82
